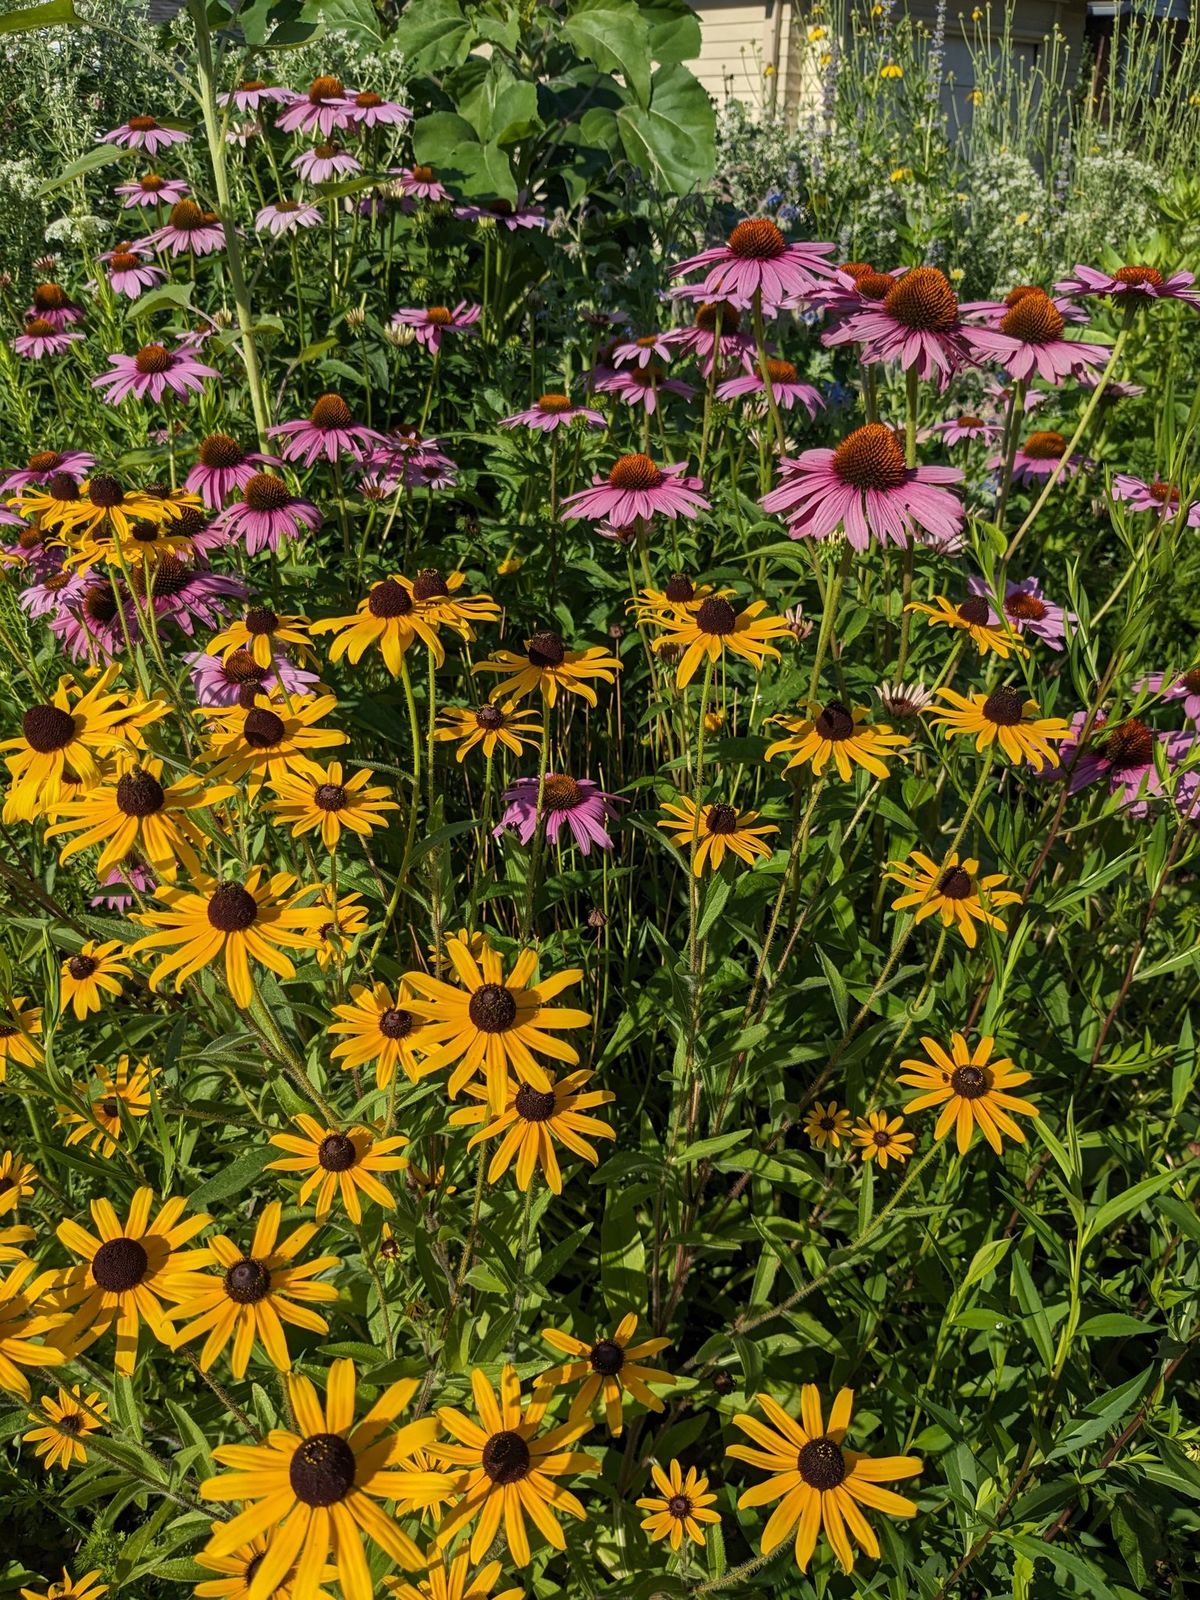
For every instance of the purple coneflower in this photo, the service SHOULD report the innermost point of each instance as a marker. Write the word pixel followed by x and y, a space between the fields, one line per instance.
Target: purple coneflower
pixel 97 622
pixel 504 214
pixel 785 386
pixel 1028 340
pixel 429 323
pixel 637 488
pixel 150 373
pixel 266 513
pixel 188 595
pixel 403 457
pixel 966 426
pixel 1119 754
pixel 151 190
pixel 1164 498
pixel 324 162
pixel 41 338
pixel 1132 282
pixel 855 286
pixel 756 260
pixel 43 464
pixel 419 183
pixel 117 885
pixel 327 432
pixel 220 683
pixel 641 351
pixel 1185 687
pixel 574 803
pixel 1027 610
pixel 865 486
pixel 641 386
pixel 189 230
pixel 904 701
pixel 916 324
pixel 1038 457
pixel 223 467
pixel 699 341
pixel 285 216
pixel 553 411
pixel 128 273
pixel 52 593
pixel 145 133
pixel 52 303
pixel 324 106
pixel 370 110
pixel 252 93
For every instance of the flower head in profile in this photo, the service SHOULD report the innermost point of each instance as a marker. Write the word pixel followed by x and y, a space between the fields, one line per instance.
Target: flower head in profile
pixel 145 133
pixel 487 726
pixel 119 1093
pixel 1026 610
pixel 266 513
pixel 757 263
pixel 1131 284
pixel 641 386
pixel 502 213
pixel 325 162
pixel 552 411
pixel 878 1138
pixel 1004 717
pixel 40 338
pixel 972 1089
pixel 974 617
pixel 840 734
pixel 18 1180
pixel 827 1124
pixel 787 389
pixel 681 1508
pixel 19 1030
pixel 866 487
pixel 70 1417
pixel 819 1484
pixel 966 425
pixel 189 230
pixel 1185 686
pixel 282 217
pixel 636 488
pixel 376 1026
pixel 955 892
pixel 548 666
pixel 529 1122
pixel 1157 495
pixel 1038 456
pixel 432 323
pixel 707 832
pixel 88 1587
pixel 608 1367
pixel 578 805
pixel 129 273
pixel 151 189
pixel 370 110
pixel 419 183
pixel 251 94
pixel 322 107
pixel 54 305
pixel 1028 342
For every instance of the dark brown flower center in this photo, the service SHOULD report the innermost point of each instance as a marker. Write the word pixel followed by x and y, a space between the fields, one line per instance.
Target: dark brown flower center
pixel 721 819
pixel 882 1137
pixel 1005 707
pixel 110 1109
pixel 336 1153
pixel 39 328
pixel 260 620
pixel 506 1457
pixel 396 1024
pixel 71 1422
pixel 47 728
pixel 967 419
pixel 679 1507
pixel 247 1281
pixel 607 1358
pixel 44 461
pixel 328 796
pixel 81 967
pixel 1045 446
pixel 546 649
pixel 389 599
pixel 105 491
pixel 265 492
pixel 1164 493
pixel 331 411
pixel 870 458
pixel 821 1463
pixel 62 486
pixel 325 88
pixel 139 794
pixel 1191 680
pixel 50 297
pixel 560 793
pixel 232 908
pixel 186 216
pixel 322 1470
pixel 151 182
pixel 429 584
pixel 123 261
pixel 1034 318
pixel 1129 745
pixel 1024 607
pixel 248 85
pixel 974 611
pixel 287 206
pixel 242 668
pixel 634 472
pixel 422 174
pixel 170 576
pixel 679 589
pixel 153 358
pixel 835 722
pixel 120 1265
pixel 1136 276
pixel 492 1008
pixel 142 124
pixel 554 403
pixel 955 884
pixel 100 604
pixel 708 314
pixel 489 718
pixel 757 239
pixel 219 450
pixel 715 616
pixel 923 300
pixel 781 372
pixel 534 1105
pixel 875 285
pixel 263 729
pixel 970 1083
pixel 368 100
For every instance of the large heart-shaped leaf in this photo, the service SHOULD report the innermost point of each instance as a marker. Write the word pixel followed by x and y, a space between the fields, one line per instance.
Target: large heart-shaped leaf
pixel 499 106
pixel 672 141
pixel 433 35
pixel 674 31
pixel 449 143
pixel 614 35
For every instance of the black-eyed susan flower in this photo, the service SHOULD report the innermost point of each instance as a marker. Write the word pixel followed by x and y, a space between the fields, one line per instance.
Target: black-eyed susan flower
pixel 263 634
pixel 254 1294
pixel 313 1494
pixel 238 1570
pixel 455 1581
pixel 269 740
pixel 88 1587
pixel 91 973
pixel 488 725
pixel 971 1088
pixel 508 1470
pixel 100 505
pixel 610 1367
pixel 708 831
pixel 242 921
pixel 123 1092
pixel 381 1029
pixel 679 597
pixel 972 617
pixel 841 734
pixel 437 598
pixel 135 813
pixel 1004 717
pixel 530 1120
pixel 827 1124
pixel 70 1417
pixel 345 920
pixel 878 1138
pixel 18 1180
pixel 27 1314
pixel 818 1483
pixel 125 1272
pixel 715 627
pixel 388 620
pixel 19 1030
pixel 681 1507
pixel 329 801
pixel 339 1163
pixel 494 1022
pixel 954 892
pixel 548 667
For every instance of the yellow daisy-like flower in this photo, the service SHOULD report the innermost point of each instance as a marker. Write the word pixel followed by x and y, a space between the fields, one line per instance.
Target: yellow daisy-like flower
pixel 101 504
pixel 315 1493
pixel 86 1588
pixel 148 552
pixel 680 598
pixel 488 725
pixel 828 1124
pixel 138 814
pixel 119 1093
pixel 508 1470
pixel 548 666
pixel 242 921
pixel 239 1569
pixel 1007 718
pixel 255 1294
pixel 709 831
pixel 388 619
pixel 453 1582
pixel 609 1367
pixel 122 1274
pixel 339 1163
pixel 715 627
pixel 66 739
pixel 954 892
pixel 269 740
pixel 495 1022
pixel 437 600
pixel 421 1502
pixel 971 617
pixel 58 1442
pixel 18 1180
pixel 879 1138
pixel 91 973
pixel 381 1029
pixel 972 1090
pixel 18 1035
pixel 841 734
pixel 26 1313
pixel 343 922
pixel 261 634
pixel 681 1507
pixel 329 801
pixel 530 1120
pixel 816 1480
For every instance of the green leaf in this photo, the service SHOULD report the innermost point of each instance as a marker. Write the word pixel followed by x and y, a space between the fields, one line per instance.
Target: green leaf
pixel 715 898
pixel 432 35
pixel 986 1259
pixel 1087 1572
pixel 674 30
pixel 1114 1325
pixel 53 14
pixel 614 35
pixel 1122 1204
pixel 102 156
pixel 448 142
pixel 502 109
pixel 231 1180
pixel 671 141
pixel 622 1254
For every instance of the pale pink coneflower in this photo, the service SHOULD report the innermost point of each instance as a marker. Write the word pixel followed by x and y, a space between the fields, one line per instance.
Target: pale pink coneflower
pixel 786 387
pixel 53 304
pixel 553 411
pixel 418 183
pixel 1038 457
pixel 1132 283
pixel 636 488
pixel 1185 686
pixel 217 682
pixel 1027 610
pixel 640 352
pixel 577 804
pixel 1028 341
pixel 329 431
pixel 117 887
pixel 966 425
pixel 151 189
pixel 700 340
pixel 266 513
pixel 43 464
pixel 145 133
pixel 252 94
pixel 241 133
pixel 129 274
pixel 641 386
pixel 189 596
pixel 855 286
pixel 991 313
pixel 151 373
pixel 1157 496
pixel 285 216
pixel 864 486
pixel 41 339
pixel 97 623
pixel 54 591
pixel 324 106
pixel 325 162
pixel 757 262
pixel 916 325
pixel 223 467
pixel 370 110
pixel 503 213
pixel 430 323
pixel 189 230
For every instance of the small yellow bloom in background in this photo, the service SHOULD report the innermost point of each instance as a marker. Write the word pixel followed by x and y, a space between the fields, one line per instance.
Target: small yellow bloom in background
pixel 975 96
pixel 18 1028
pixel 70 1418
pixel 768 71
pixel 957 274
pixel 27 1311
pixel 954 892
pixel 124 1092
pixel 714 721
pixel 509 565
pixel 817 33
pixel 1021 218
pixel 971 616
pixel 488 725
pixel 971 1088
pixel 18 1179
pixel 977 15
pixel 900 174
pixel 681 1506
pixel 339 1163
pixel 707 832
pixel 86 1588
pixel 530 1121
pixel 891 69
pixel 879 1139
pixel 608 1367
pixel 827 1125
